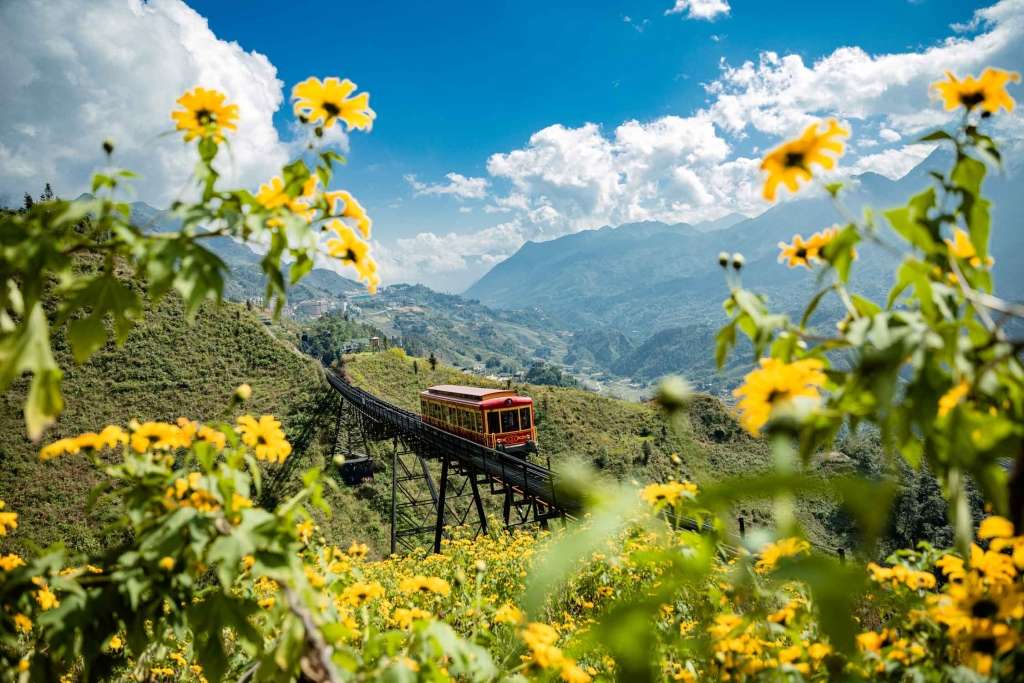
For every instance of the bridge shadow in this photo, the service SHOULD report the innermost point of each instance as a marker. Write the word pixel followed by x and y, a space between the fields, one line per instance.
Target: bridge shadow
pixel 311 424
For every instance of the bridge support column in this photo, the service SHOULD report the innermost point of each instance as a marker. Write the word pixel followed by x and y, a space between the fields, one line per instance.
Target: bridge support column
pixel 439 529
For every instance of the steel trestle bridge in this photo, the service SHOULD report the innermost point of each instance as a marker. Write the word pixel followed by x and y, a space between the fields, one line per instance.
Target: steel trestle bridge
pixel 426 503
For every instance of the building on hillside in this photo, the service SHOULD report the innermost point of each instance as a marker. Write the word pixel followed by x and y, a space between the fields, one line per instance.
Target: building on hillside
pixel 314 308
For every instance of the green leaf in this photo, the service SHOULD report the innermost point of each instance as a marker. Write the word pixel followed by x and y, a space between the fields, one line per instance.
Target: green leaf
pixel 724 341
pixel 911 221
pixel 937 135
pixel 27 349
pixel 104 294
pixel 840 251
pixel 968 174
pixel 913 274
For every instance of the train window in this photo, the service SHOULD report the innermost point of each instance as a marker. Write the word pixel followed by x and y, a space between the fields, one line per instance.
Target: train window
pixel 524 418
pixel 449 416
pixel 478 423
pixel 464 419
pixel 493 423
pixel 509 421
pixel 424 408
pixel 435 410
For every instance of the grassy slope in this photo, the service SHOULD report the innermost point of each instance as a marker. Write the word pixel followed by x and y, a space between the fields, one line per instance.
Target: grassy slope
pixel 166 369
pixel 607 433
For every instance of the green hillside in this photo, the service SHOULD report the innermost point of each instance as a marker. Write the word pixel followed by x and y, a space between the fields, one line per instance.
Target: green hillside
pixel 169 368
pixel 622 440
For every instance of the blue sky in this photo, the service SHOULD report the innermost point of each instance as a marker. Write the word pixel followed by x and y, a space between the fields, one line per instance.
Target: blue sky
pixel 497 122
pixel 454 82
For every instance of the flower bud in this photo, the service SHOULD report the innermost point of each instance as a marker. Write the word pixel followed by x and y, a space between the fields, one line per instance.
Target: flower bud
pixel 108 147
pixel 738 261
pixel 339 460
pixel 319 131
pixel 243 392
pixel 481 566
pixel 673 393
pixel 723 259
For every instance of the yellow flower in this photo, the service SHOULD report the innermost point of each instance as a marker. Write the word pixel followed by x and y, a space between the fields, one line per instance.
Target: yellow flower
pixel 508 614
pixel 328 100
pixel 8 520
pixel 159 436
pixel 265 436
pixel 605 591
pixel 358 549
pixel 266 603
pixel 359 593
pixel 205 114
pixel 213 437
pixel 995 527
pixel 10 562
pixel 46 599
pixel 773 384
pixel 405 617
pixel 952 398
pixel 425 584
pixel 352 210
pixel 304 530
pixel 792 161
pixel 571 673
pixel 60 447
pixel 799 253
pixel 347 245
pixel 116 643
pixel 540 638
pixel 166 563
pixel 987 92
pixel 274 194
pixel 667 493
pixel 22 623
pixel 771 553
pixel 961 247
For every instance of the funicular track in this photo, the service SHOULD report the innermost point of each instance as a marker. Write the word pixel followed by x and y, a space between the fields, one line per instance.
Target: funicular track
pixel 532 493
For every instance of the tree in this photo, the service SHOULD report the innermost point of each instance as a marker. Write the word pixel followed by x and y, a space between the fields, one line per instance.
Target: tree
pixel 28 202
pixel 47 194
pixel 433 361
pixel 415 368
pixel 493 362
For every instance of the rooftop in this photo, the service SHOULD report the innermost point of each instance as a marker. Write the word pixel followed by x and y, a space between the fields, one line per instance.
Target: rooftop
pixel 479 393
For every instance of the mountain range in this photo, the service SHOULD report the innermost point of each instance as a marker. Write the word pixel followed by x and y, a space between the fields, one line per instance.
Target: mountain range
pixel 641 278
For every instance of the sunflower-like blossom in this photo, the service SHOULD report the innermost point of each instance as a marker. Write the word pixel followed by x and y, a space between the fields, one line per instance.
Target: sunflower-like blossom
pixel 274 194
pixel 264 436
pixel 351 209
pixel 773 384
pixel 987 92
pixel 951 399
pixel 205 115
pixel 8 520
pixel 358 594
pixel 328 101
pixel 772 553
pixel 961 247
pixel 792 161
pixel 669 493
pixel 425 584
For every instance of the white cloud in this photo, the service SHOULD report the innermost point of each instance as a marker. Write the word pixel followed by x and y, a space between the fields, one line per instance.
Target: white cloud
pixel 677 168
pixel 465 209
pixel 699 9
pixel 77 73
pixel 459 186
pixel 779 95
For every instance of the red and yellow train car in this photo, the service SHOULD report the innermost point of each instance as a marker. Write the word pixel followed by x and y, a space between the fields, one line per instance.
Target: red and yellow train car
pixel 496 418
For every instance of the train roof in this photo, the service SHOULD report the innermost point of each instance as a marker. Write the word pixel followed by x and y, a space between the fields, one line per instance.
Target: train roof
pixel 470 393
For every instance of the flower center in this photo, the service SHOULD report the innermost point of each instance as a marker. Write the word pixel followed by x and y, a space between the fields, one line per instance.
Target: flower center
pixel 972 99
pixel 778 395
pixel 332 109
pixel 984 609
pixel 795 160
pixel 205 117
pixel 801 253
pixel 350 255
pixel 985 645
